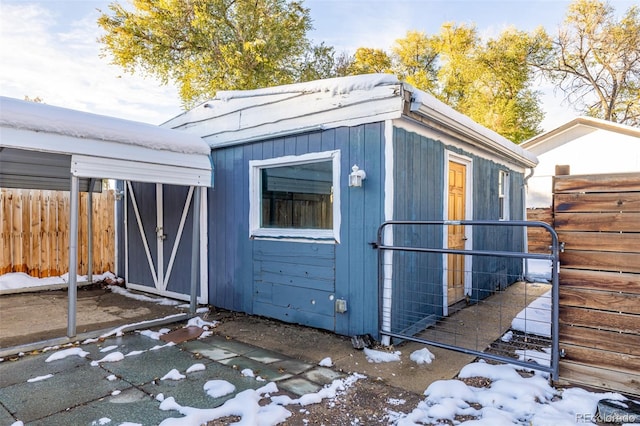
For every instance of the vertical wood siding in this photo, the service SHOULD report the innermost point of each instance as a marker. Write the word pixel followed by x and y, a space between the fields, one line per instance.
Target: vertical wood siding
pixel 145 194
pixel 495 273
pixel 34 234
pixel 419 192
pixel 419 183
pixel 241 270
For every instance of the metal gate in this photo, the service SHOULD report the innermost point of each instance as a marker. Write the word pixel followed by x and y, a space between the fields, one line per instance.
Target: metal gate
pixel 501 317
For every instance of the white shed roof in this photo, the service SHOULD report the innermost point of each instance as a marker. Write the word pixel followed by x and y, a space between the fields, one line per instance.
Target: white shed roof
pixel 235 117
pixel 42 145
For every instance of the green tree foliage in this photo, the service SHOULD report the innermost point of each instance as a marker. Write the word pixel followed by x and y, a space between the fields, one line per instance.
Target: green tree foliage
pixel 415 60
pixel 210 45
pixel 367 61
pixel 488 81
pixel 595 61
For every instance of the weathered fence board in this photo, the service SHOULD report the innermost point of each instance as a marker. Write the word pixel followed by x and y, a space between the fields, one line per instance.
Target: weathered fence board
pixel 614 182
pixel 539 239
pixel 601 300
pixel 600 241
pixel 597 222
pixel 600 339
pixel 601 261
pixel 599 377
pixel 34 233
pixel 597 217
pixel 605 202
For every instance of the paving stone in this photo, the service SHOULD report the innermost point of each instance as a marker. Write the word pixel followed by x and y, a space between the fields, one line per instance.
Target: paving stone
pixel 151 365
pixel 212 352
pixel 264 356
pixel 299 386
pixel 292 366
pixel 132 406
pixel 68 388
pixel 222 343
pixel 190 391
pixel 126 344
pixel 322 375
pixel 5 417
pixel 30 366
pixel 182 335
pixel 259 369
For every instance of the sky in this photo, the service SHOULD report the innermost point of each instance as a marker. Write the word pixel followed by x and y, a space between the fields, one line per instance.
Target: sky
pixel 48 48
pixel 510 398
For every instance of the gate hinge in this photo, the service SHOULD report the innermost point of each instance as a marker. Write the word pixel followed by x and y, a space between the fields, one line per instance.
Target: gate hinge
pixel 373 244
pixel 562 353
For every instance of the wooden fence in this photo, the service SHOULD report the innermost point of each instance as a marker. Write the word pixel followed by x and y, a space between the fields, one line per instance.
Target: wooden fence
pixel 598 219
pixel 34 233
pixel 539 239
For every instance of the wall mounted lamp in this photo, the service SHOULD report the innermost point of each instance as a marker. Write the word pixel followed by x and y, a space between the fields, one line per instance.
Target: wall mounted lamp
pixel 356 176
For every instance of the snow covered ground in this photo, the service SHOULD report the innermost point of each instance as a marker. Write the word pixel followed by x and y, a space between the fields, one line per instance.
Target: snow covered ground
pixel 20 280
pixel 506 398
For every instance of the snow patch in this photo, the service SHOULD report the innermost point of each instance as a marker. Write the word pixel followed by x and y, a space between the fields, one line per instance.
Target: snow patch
pixel 218 388
pixel 173 375
pixel 66 353
pixel 422 356
pixel 381 356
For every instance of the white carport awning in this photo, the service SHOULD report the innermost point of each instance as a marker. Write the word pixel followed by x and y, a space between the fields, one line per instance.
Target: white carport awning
pixel 96 147
pixel 47 147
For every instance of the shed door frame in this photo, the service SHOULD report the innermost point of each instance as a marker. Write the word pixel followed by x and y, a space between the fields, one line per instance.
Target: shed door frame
pixel 468 163
pixel 161 270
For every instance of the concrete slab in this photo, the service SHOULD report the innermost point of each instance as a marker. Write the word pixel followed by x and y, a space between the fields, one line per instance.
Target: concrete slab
pixel 190 391
pixel 265 356
pixel 66 389
pixel 259 369
pixel 131 406
pixel 299 386
pixel 127 344
pixel 5 417
pixel 322 375
pixel 182 334
pixel 31 317
pixel 292 366
pixel 30 366
pixel 208 350
pixel 222 342
pixel 151 365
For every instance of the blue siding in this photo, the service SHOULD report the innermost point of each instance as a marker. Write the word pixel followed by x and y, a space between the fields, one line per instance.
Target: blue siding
pixel 491 273
pixel 145 194
pixel 295 282
pixel 173 198
pixel 418 195
pixel 257 276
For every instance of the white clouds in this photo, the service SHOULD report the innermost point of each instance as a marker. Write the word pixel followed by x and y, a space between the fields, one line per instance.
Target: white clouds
pixel 59 61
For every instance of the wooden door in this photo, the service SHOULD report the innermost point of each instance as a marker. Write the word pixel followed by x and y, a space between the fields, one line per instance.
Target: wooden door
pixel 456 235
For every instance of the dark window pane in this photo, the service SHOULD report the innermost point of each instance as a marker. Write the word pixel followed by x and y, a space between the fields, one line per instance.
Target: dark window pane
pixel 298 196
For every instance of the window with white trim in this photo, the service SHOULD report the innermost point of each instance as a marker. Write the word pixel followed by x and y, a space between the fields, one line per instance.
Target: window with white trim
pixel 296 197
pixel 503 194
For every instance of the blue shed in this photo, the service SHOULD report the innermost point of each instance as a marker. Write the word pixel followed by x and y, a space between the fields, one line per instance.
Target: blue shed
pixel 289 238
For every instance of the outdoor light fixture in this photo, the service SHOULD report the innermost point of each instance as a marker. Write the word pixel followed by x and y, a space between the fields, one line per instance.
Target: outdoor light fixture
pixel 356 176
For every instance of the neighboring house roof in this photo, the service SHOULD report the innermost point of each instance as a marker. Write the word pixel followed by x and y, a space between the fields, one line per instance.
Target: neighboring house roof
pixel 42 145
pixel 572 130
pixel 235 117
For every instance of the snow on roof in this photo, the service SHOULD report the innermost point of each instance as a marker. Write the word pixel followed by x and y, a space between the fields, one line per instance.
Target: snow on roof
pixel 18 114
pixel 237 116
pixel 335 86
pixel 424 100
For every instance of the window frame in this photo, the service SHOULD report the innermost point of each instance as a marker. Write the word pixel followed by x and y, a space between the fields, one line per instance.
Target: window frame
pixel 503 195
pixel 256 231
